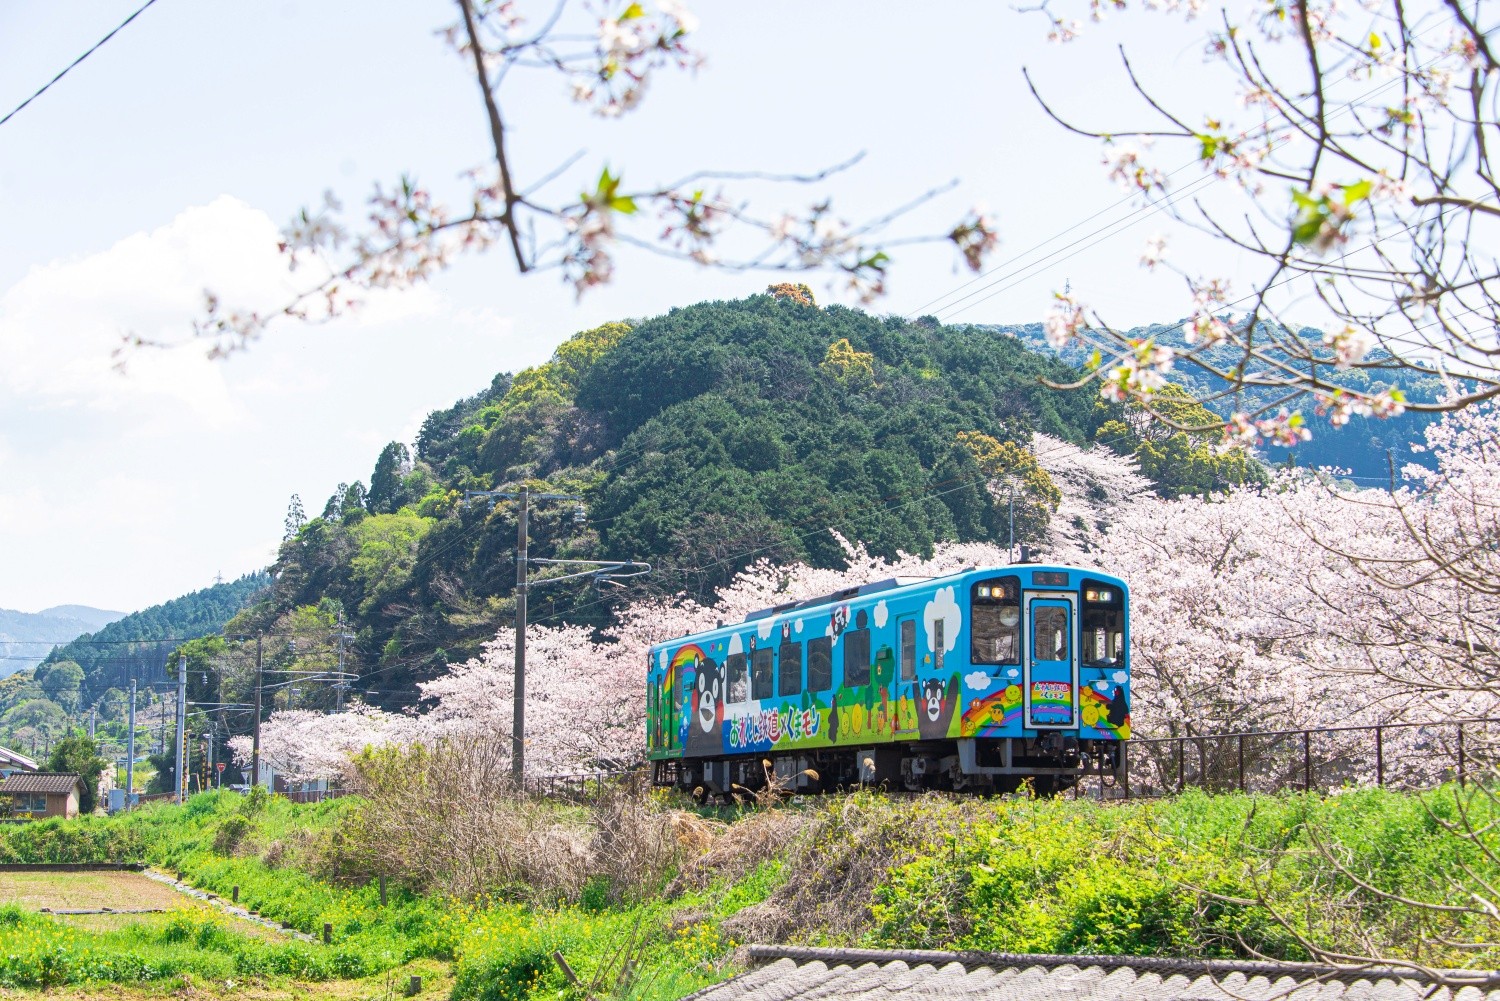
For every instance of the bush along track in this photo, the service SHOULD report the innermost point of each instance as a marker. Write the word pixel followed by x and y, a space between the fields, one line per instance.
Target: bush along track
pixel 652 901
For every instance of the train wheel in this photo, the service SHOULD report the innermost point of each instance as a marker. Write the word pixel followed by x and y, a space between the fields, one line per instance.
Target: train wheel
pixel 1047 786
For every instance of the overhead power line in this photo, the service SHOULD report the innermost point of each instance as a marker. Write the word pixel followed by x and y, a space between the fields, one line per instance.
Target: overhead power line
pixel 65 70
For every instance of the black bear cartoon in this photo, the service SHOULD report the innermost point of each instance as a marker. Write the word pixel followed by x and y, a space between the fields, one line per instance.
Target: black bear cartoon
pixel 936 707
pixel 706 725
pixel 1119 709
pixel 840 619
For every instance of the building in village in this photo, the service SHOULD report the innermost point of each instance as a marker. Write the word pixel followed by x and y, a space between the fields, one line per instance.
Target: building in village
pixel 11 762
pixel 39 795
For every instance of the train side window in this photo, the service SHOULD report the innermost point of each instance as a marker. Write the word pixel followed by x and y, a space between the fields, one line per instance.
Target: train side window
pixel 789 669
pixel 939 644
pixel 819 664
pixel 736 678
pixel 856 657
pixel 762 673
pixel 909 650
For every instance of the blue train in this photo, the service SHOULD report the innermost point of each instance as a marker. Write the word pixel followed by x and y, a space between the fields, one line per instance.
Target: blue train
pixel 979 680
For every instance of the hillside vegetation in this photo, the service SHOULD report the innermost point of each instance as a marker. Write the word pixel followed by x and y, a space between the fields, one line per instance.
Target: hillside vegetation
pixel 93 671
pixel 674 892
pixel 700 440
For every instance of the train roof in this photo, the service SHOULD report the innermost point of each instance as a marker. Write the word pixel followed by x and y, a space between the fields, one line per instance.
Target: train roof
pixel 875 587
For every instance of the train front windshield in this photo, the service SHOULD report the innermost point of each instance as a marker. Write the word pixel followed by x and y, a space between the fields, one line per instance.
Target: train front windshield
pixel 1103 624
pixel 996 621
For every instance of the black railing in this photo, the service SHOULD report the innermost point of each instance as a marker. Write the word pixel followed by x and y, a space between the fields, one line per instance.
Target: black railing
pixel 1402 755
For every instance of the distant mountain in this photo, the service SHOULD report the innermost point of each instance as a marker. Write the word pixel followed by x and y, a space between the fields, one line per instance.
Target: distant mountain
pixel 136 645
pixel 97 618
pixel 1368 448
pixel 27 637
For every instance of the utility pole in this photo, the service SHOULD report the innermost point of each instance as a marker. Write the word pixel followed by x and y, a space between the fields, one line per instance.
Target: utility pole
pixel 1010 545
pixel 601 571
pixel 518 715
pixel 255 738
pixel 181 737
pixel 130 749
pixel 93 715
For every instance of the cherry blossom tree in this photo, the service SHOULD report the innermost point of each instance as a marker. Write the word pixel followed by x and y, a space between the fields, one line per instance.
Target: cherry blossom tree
pixel 1356 170
pixel 606 56
pixel 306 746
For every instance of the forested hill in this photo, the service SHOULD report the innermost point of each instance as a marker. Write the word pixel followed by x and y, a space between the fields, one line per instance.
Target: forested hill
pixel 137 645
pixel 1366 447
pixel 699 440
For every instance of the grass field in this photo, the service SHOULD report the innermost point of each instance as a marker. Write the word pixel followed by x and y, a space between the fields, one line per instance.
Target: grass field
pixel 437 983
pixel 69 890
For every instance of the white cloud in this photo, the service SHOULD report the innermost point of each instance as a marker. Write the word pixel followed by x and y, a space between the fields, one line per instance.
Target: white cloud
pixel 156 479
pixel 797 627
pixel 61 324
pixel 977 680
pixel 736 645
pixel 764 627
pixel 881 614
pixel 945 607
pixel 1121 677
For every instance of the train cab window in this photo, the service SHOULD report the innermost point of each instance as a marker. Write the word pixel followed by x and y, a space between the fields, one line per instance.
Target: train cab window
pixel 995 621
pixel 819 664
pixel 909 650
pixel 762 674
pixel 789 669
pixel 736 678
pixel 1103 639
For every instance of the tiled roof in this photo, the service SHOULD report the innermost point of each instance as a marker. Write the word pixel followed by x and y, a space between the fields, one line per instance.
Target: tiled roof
pixel 11 759
pixel 872 975
pixel 46 782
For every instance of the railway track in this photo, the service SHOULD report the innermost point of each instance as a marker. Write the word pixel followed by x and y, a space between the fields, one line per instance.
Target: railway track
pixel 1418 755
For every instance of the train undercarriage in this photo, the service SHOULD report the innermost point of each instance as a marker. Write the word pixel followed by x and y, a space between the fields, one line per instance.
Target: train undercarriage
pixel 1052 763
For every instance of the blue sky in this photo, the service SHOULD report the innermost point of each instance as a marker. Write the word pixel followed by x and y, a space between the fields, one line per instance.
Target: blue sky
pixel 168 160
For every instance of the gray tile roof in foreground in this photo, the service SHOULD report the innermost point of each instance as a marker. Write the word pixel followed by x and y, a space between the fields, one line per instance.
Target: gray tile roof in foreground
pixel 786 972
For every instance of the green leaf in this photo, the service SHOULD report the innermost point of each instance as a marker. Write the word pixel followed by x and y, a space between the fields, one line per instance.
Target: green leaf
pixel 633 11
pixel 1358 191
pixel 623 204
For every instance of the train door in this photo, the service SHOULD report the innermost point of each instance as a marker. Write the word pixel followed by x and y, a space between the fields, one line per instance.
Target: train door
pixel 905 685
pixel 1051 663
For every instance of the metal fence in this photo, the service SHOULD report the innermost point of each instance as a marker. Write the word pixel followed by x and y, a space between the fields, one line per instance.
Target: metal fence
pixel 1397 755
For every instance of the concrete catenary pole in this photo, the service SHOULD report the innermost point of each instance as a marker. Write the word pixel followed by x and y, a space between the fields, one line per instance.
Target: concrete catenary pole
pixel 518 719
pixel 181 736
pixel 130 748
pixel 255 737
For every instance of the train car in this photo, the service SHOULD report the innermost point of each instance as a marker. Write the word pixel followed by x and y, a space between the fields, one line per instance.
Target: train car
pixel 980 680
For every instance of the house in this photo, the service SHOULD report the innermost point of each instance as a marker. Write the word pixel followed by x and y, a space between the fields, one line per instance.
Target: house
pixel 11 762
pixel 40 794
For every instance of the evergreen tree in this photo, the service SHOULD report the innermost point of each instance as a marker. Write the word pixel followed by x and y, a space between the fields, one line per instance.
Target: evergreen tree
pixel 296 517
pixel 79 753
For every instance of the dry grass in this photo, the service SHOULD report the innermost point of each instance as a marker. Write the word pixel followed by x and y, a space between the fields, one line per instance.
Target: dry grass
pixel 119 890
pixel 843 852
pixel 737 849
